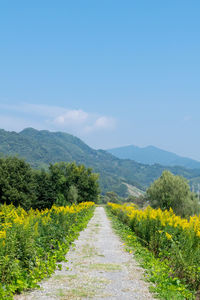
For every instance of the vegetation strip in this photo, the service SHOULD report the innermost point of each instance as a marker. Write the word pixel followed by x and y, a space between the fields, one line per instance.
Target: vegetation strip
pixel 97 267
pixel 62 184
pixel 31 243
pixel 41 148
pixel 158 271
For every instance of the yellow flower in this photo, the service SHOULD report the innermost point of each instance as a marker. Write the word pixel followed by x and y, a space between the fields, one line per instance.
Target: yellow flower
pixel 2 234
pixel 169 237
pixel 198 233
pixel 7 225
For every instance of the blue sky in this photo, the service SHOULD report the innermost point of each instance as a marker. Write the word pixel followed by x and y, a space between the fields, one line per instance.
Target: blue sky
pixel 111 72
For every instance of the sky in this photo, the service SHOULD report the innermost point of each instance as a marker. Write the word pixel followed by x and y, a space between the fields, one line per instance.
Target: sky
pixel 111 72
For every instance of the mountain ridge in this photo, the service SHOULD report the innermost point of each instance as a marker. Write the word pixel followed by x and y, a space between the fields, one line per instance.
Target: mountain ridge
pixel 151 155
pixel 41 148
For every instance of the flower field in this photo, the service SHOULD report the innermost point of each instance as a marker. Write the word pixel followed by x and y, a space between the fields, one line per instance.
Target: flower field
pixel 170 237
pixel 32 242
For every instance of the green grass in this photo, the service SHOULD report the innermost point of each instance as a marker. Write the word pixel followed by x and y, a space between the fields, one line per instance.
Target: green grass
pixel 163 284
pixel 83 286
pixel 105 267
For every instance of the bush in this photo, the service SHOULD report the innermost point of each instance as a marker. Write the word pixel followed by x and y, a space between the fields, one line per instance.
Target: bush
pixel 170 191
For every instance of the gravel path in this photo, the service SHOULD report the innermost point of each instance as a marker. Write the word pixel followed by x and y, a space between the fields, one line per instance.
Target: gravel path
pixel 98 268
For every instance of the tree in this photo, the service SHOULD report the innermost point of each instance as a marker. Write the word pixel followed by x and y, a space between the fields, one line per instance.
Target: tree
pixel 17 183
pixel 140 200
pixel 72 194
pixel 172 191
pixel 74 182
pixel 112 197
pixel 63 184
pixel 45 191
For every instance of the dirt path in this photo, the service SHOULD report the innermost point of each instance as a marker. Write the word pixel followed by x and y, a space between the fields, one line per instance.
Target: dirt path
pixel 97 268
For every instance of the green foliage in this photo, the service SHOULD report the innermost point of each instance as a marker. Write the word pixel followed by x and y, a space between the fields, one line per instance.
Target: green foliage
pixel 173 191
pixel 75 183
pixel 32 243
pixel 165 284
pixel 64 183
pixel 112 197
pixel 171 238
pixel 17 184
pixel 140 201
pixel 41 148
pixel 45 192
pixel 73 194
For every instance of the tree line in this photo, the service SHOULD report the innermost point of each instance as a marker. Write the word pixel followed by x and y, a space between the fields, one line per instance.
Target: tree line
pixel 66 183
pixel 168 191
pixel 63 183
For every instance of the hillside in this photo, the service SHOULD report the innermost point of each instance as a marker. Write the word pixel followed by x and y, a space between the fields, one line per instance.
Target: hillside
pixel 40 148
pixel 152 155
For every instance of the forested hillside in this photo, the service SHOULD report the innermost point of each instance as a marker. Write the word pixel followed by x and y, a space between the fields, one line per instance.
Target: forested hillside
pixel 151 155
pixel 40 148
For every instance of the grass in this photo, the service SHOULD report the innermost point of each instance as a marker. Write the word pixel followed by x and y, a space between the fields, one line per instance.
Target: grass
pixel 96 228
pixel 88 251
pixel 64 278
pixel 105 267
pixel 83 287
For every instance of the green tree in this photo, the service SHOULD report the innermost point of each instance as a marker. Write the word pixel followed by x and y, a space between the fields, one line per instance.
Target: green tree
pixel 140 201
pixel 172 191
pixel 44 190
pixel 74 182
pixel 72 194
pixel 17 184
pixel 112 197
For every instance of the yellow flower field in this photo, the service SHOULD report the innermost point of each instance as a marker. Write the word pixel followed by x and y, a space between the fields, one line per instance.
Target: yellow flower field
pixel 32 242
pixel 168 236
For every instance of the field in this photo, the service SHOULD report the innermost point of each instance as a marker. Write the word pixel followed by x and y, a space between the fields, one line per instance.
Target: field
pixel 31 243
pixel 172 239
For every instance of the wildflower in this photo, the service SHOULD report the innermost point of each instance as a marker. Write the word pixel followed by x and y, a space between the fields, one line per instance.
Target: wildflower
pixel 198 233
pixel 2 234
pixel 169 237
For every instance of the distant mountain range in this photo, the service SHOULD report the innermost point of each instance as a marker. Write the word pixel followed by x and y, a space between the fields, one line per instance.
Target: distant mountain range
pixel 153 155
pixel 40 148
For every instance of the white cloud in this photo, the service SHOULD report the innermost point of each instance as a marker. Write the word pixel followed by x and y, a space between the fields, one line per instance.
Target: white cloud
pixel 105 123
pixel 75 121
pixel 101 123
pixel 72 117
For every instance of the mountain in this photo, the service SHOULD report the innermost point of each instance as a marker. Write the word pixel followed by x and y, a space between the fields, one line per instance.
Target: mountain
pixel 151 155
pixel 40 148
